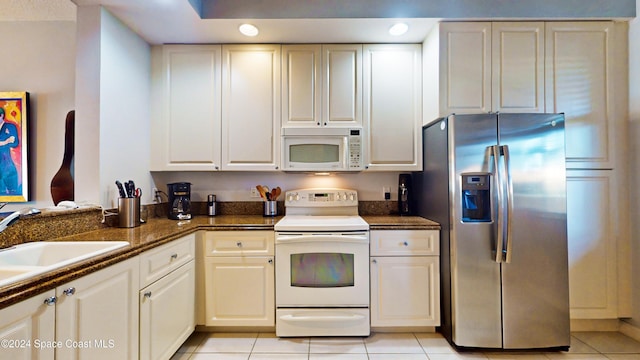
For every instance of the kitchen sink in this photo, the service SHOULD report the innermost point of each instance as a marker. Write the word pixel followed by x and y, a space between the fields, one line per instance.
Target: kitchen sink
pixel 34 258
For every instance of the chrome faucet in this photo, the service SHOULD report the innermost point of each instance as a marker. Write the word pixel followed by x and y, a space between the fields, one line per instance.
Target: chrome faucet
pixel 16 215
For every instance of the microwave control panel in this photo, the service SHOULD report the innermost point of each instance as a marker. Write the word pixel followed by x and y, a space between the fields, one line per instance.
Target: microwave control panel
pixel 355 149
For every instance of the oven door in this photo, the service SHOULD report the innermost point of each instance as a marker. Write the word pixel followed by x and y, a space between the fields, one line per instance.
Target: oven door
pixel 322 269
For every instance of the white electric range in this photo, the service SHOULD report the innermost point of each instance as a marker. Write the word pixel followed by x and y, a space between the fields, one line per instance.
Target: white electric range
pixel 322 265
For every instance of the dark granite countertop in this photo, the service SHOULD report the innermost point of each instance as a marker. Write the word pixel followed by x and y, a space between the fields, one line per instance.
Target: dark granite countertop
pixel 394 222
pixel 158 231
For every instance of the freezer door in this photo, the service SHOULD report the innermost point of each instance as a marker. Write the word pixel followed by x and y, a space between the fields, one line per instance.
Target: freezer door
pixel 535 294
pixel 475 275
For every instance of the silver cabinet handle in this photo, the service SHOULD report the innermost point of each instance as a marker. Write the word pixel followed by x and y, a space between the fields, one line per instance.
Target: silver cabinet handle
pixel 239 243
pixel 147 294
pixel 174 256
pixel 70 291
pixel 50 301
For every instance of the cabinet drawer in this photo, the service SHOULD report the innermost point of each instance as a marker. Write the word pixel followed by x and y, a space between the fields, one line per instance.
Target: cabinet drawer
pixel 234 243
pixel 405 242
pixel 158 262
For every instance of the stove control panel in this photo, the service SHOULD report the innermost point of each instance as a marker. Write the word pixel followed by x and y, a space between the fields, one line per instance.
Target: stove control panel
pixel 321 198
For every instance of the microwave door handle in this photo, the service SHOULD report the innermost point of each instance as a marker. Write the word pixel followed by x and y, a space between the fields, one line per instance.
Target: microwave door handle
pixel 345 153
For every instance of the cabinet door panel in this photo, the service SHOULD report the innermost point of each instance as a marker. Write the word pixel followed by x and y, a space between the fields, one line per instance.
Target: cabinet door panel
pixel 102 315
pixel 26 324
pixel 465 74
pixel 342 104
pixel 518 67
pixel 579 83
pixel 167 311
pixel 301 85
pixel 393 106
pixel 187 137
pixel 240 291
pixel 592 244
pixel 405 291
pixel 251 107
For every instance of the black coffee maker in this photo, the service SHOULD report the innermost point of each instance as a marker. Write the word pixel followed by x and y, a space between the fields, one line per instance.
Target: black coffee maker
pixel 404 194
pixel 179 200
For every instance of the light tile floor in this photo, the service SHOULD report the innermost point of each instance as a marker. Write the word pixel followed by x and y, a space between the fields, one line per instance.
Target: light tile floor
pixel 388 346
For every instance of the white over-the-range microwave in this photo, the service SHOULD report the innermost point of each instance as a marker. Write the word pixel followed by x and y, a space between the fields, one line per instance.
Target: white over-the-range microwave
pixel 322 149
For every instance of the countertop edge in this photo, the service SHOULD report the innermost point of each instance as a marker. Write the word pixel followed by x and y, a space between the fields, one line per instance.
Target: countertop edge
pixel 19 291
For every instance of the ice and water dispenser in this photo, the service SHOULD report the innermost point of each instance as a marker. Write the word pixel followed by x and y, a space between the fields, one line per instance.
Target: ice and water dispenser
pixel 476 197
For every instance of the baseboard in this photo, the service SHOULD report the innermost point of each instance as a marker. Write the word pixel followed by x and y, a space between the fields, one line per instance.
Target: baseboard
pixel 403 329
pixel 630 330
pixel 595 325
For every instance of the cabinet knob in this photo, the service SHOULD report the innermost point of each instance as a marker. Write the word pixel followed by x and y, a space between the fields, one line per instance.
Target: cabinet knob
pixel 318 123
pixel 147 294
pixel 270 261
pixel 217 167
pixel 50 301
pixel 405 243
pixel 174 256
pixel 70 291
pixel 374 261
pixel 239 244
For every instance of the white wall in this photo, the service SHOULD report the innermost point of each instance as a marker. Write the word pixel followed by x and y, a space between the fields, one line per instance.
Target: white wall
pixel 39 57
pixel 634 141
pixel 125 86
pixel 112 91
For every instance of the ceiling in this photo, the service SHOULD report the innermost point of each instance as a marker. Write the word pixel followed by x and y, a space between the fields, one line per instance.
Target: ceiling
pixel 305 21
pixel 176 21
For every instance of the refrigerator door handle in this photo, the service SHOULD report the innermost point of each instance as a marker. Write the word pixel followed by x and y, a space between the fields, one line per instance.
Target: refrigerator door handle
pixel 509 202
pixel 495 152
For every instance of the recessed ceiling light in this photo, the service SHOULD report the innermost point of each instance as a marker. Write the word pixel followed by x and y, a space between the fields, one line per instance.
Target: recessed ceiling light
pixel 398 29
pixel 248 30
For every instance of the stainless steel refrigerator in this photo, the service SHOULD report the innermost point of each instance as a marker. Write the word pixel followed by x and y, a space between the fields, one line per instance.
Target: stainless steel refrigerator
pixel 496 184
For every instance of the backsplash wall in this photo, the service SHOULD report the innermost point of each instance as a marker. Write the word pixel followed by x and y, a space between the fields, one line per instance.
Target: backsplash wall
pixel 235 186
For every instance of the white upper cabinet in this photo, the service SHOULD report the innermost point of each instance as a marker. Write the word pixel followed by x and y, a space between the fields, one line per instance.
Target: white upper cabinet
pixel 579 82
pixel 392 104
pixel 491 67
pixel 517 67
pixel 342 101
pixel 465 68
pixel 301 85
pixel 186 130
pixel 250 107
pixel 322 85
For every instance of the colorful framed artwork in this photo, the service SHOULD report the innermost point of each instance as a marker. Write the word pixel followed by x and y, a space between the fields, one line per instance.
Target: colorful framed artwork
pixel 14 146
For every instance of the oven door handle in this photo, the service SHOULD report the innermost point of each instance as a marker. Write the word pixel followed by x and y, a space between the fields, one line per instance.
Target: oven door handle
pixel 322 318
pixel 297 239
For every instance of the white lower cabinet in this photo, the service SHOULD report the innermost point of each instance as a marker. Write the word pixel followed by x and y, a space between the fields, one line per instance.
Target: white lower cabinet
pixel 167 302
pixel 167 313
pixel 26 328
pixel 592 229
pixel 239 278
pixel 97 314
pixel 405 278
